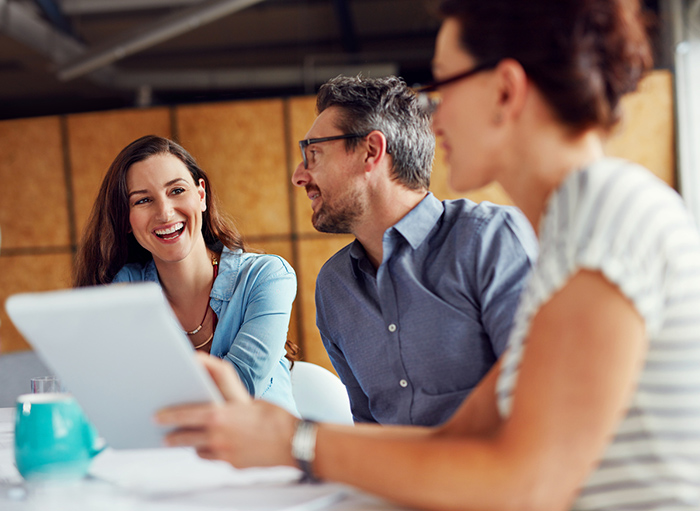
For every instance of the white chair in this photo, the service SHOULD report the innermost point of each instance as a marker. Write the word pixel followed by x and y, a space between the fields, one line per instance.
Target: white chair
pixel 319 394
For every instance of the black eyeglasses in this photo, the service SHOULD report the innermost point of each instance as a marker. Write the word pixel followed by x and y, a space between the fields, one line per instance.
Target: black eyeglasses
pixel 433 102
pixel 304 144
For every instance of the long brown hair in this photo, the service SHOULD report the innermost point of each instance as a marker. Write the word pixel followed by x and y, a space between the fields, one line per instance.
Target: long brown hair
pixel 107 245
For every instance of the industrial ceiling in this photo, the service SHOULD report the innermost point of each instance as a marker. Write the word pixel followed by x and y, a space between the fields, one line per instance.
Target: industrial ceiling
pixel 68 56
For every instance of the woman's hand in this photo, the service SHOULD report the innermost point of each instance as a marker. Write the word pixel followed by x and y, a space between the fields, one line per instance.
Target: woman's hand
pixel 242 431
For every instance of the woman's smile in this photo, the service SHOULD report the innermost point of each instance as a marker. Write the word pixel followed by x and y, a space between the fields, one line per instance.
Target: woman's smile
pixel 170 233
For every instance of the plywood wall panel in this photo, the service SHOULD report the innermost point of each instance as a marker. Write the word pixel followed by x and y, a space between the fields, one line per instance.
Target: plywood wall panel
pixel 646 133
pixel 242 148
pixel 34 204
pixel 302 113
pixel 28 273
pixel 94 141
pixel 313 253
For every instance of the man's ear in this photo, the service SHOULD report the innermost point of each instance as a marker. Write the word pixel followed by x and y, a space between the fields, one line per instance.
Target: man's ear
pixel 376 148
pixel 512 90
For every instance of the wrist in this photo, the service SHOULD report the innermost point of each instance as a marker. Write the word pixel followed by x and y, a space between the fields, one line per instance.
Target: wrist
pixel 304 448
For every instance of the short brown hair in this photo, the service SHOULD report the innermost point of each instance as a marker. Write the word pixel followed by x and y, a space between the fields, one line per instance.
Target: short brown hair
pixel 583 55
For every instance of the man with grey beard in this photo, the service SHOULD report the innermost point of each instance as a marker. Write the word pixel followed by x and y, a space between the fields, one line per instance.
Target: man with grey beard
pixel 418 308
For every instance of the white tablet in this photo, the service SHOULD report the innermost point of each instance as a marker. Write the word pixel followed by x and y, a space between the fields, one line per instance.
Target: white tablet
pixel 120 351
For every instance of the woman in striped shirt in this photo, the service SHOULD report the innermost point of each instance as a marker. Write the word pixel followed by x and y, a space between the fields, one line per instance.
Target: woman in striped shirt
pixel 596 403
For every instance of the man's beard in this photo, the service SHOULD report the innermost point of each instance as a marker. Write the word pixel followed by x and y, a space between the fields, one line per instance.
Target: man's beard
pixel 339 218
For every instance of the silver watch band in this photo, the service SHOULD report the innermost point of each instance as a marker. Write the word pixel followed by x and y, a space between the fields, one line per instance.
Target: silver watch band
pixel 304 448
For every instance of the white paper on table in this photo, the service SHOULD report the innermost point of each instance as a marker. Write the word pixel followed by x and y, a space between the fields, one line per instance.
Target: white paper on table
pixel 179 470
pixel 8 471
pixel 176 479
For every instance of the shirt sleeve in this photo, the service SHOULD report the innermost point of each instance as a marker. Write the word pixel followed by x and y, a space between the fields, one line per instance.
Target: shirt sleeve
pixel 359 402
pixel 259 344
pixel 507 250
pixel 620 221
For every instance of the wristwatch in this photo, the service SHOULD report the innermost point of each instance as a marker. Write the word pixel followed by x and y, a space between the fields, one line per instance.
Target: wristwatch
pixel 304 449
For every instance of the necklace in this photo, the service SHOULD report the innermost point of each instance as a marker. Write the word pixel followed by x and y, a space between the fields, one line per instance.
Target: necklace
pixel 215 264
pixel 200 325
pixel 205 342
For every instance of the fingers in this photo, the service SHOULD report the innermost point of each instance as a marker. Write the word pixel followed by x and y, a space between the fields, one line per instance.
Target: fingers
pixel 187 416
pixel 188 438
pixel 226 378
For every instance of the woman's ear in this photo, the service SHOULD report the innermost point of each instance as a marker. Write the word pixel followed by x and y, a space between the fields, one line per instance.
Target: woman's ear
pixel 512 90
pixel 202 194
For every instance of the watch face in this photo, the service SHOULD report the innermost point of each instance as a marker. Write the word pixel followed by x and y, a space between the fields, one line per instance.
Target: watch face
pixel 304 441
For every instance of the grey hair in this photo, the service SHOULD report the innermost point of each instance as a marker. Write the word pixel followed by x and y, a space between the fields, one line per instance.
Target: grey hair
pixel 390 106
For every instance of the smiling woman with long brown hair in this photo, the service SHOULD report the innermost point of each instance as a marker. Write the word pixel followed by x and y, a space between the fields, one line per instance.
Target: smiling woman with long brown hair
pixel 596 402
pixel 156 219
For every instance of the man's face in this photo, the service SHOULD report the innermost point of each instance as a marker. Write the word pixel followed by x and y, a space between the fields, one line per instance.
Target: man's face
pixel 333 179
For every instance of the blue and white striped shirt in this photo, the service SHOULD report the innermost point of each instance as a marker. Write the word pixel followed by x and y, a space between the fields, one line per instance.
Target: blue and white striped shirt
pixel 617 218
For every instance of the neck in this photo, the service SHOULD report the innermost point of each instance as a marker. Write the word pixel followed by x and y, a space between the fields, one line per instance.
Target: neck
pixel 541 165
pixel 388 204
pixel 184 281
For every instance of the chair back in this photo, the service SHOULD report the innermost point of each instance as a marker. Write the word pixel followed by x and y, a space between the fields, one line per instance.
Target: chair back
pixel 16 371
pixel 319 394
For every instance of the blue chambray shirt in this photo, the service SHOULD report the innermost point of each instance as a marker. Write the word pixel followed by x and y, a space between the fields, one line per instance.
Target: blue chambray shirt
pixel 411 340
pixel 252 297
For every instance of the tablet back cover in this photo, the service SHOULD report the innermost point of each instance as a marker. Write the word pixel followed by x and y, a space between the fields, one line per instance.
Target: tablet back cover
pixel 120 351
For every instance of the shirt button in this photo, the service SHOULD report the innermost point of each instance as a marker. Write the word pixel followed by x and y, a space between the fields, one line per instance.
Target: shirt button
pixel 392 328
pixel 403 383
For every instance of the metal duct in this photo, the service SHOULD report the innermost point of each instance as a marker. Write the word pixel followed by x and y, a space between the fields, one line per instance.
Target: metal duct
pixel 103 6
pixel 167 28
pixel 251 78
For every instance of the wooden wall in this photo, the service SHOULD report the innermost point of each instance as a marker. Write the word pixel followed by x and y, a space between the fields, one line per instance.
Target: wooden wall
pixel 51 168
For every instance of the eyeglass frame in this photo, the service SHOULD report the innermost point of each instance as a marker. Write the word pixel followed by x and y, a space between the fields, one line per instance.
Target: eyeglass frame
pixel 303 144
pixel 423 90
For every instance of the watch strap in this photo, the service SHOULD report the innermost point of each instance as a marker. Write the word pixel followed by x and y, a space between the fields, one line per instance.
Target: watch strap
pixel 304 449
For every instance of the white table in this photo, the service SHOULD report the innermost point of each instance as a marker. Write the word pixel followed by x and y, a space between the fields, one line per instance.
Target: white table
pixel 155 481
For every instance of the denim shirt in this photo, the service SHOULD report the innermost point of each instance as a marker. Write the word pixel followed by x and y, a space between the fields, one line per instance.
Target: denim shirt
pixel 413 338
pixel 252 297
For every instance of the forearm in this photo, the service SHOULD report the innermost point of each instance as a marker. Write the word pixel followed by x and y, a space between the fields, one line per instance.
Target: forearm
pixel 416 468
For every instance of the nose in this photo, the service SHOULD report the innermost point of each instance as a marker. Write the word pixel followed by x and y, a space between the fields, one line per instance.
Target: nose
pixel 165 210
pixel 300 176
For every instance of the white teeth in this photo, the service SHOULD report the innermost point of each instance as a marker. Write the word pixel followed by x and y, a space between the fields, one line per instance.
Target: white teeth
pixel 170 230
pixel 315 196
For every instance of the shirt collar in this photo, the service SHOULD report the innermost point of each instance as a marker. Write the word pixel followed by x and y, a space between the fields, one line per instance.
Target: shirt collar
pixel 418 223
pixel 414 227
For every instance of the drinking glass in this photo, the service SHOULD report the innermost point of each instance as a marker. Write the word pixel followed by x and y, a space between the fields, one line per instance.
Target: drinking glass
pixel 46 384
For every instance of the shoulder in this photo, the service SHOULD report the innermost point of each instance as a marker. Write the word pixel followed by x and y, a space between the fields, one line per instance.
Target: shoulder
pixel 251 264
pixel 485 223
pixel 463 212
pixel 611 195
pixel 133 272
pixel 339 263
pixel 247 272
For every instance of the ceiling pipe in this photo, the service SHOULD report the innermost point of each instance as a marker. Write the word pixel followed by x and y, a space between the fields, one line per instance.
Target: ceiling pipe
pixel 103 6
pixel 24 25
pixel 250 78
pixel 170 26
pixel 55 15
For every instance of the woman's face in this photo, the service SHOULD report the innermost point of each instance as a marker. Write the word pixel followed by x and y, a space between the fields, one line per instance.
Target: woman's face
pixel 165 207
pixel 463 118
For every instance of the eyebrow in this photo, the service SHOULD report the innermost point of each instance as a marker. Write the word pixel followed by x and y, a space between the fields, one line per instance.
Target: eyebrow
pixel 169 183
